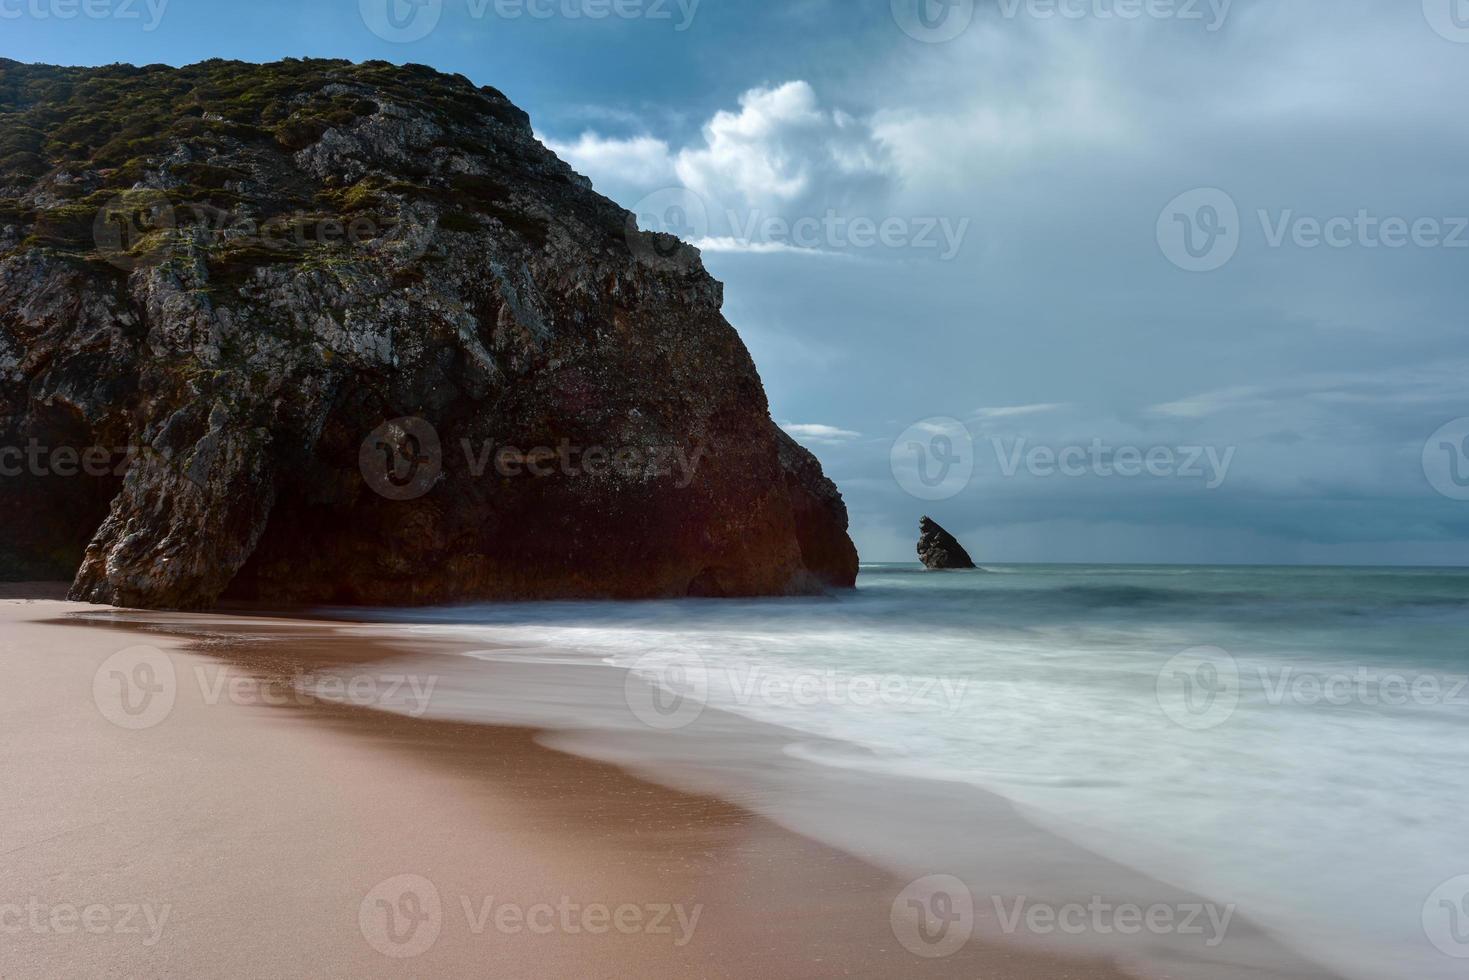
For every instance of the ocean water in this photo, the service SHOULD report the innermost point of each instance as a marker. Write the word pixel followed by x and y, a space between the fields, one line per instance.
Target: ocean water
pixel 1294 740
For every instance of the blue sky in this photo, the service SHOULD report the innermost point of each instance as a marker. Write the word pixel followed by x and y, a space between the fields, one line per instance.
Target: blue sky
pixel 1085 280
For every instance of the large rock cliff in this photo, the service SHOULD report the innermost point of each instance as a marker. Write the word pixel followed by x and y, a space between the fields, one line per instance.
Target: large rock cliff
pixel 322 332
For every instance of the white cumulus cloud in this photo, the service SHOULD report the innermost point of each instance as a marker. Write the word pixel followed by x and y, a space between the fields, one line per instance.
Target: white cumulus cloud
pixel 781 155
pixel 781 148
pixel 638 161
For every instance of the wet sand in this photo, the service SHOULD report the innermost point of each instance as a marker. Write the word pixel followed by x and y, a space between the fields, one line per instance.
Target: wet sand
pixel 253 830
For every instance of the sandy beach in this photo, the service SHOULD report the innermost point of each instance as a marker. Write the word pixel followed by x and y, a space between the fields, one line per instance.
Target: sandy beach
pixel 219 821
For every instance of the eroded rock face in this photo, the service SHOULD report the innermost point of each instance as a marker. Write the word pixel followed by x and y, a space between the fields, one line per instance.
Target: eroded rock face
pixel 938 549
pixel 235 275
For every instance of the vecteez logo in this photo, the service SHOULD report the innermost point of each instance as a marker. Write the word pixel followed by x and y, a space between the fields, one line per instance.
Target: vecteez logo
pixel 1199 230
pixel 405 21
pixel 1446 917
pixel 135 688
pixel 1446 459
pixel 401 917
pixel 401 21
pixel 662 224
pixel 126 221
pixel 404 916
pixel 671 211
pixel 401 459
pixel 933 459
pixel 933 917
pixel 1448 18
pixel 933 21
pixel 1200 688
pixel 1210 13
pixel 142 227
pixel 148 12
pixel 667 693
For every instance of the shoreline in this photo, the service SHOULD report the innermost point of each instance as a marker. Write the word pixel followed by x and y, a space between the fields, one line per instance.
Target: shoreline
pixel 792 863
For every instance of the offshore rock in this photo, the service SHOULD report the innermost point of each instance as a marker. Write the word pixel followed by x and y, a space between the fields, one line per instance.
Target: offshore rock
pixel 938 549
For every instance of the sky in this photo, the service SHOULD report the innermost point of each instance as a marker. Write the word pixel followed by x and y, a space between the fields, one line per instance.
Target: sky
pixel 1170 281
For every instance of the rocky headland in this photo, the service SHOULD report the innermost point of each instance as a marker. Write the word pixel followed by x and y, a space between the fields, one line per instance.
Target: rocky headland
pixel 317 332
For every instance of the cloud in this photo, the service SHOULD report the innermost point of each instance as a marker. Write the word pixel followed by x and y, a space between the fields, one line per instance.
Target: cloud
pixel 1012 411
pixel 1001 100
pixel 1437 386
pixel 638 161
pixel 783 148
pixel 827 435
pixel 746 246
pixel 1061 140
pixel 1208 403
pixel 782 155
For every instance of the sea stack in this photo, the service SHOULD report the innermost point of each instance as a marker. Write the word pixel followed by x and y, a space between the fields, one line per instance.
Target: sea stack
pixel 352 334
pixel 938 549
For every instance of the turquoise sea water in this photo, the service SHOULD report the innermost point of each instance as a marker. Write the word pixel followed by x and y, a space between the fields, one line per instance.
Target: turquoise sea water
pixel 1295 740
